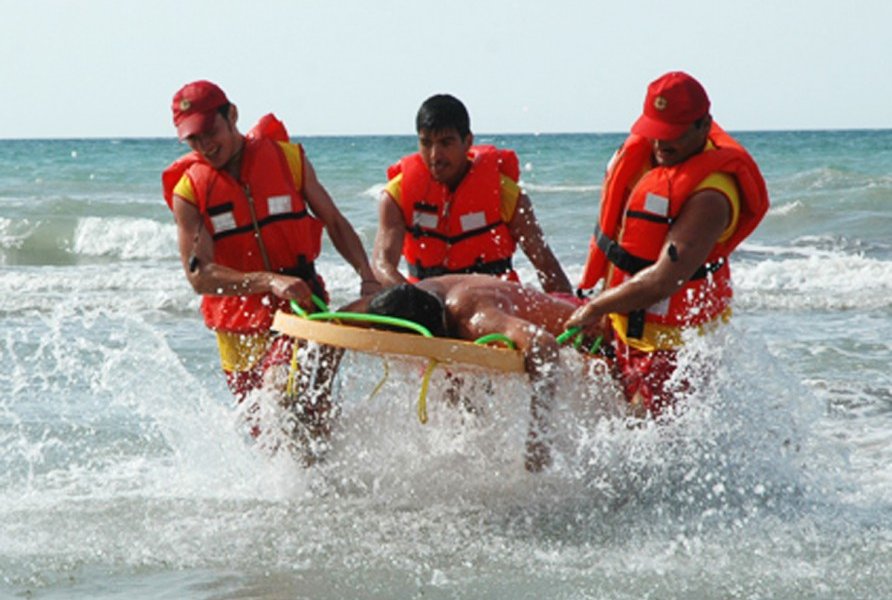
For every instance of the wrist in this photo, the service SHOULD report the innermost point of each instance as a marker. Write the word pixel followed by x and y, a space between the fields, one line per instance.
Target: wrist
pixel 261 281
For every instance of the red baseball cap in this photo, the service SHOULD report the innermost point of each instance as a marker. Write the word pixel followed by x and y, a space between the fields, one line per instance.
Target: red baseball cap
pixel 194 107
pixel 673 103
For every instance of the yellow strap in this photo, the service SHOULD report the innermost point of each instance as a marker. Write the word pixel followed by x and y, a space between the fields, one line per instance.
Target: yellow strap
pixel 422 396
pixel 292 372
pixel 383 379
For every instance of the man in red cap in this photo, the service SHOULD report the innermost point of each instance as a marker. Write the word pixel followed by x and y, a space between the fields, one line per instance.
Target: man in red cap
pixel 250 213
pixel 679 195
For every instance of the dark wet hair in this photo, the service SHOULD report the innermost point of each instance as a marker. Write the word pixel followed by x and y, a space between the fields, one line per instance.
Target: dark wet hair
pixel 406 301
pixel 442 112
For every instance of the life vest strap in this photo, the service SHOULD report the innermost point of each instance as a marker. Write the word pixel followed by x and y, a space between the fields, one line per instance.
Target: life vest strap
pixel 635 324
pixel 646 216
pixel 306 270
pixel 496 267
pixel 417 231
pixel 630 263
pixel 617 255
pixel 219 235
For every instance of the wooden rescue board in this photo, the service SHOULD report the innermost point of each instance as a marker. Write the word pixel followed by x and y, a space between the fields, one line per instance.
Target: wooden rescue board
pixel 375 341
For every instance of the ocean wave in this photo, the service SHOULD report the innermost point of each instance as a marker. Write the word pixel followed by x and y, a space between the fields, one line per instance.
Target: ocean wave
pixel 43 289
pixel 828 178
pixel 825 191
pixel 557 188
pixel 14 233
pixel 124 238
pixel 782 210
pixel 815 280
pixel 818 245
pixel 374 191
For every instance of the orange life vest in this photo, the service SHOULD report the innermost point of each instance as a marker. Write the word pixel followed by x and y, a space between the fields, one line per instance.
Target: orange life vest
pixel 638 204
pixel 291 236
pixel 460 231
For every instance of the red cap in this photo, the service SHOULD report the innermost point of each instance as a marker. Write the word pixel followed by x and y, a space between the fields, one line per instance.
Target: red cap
pixel 194 107
pixel 673 103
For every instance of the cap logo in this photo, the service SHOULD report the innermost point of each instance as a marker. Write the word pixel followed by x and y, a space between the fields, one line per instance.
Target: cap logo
pixel 185 105
pixel 660 103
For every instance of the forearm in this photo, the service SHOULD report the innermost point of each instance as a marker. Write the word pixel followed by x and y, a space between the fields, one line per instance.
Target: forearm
pixel 349 246
pixel 551 276
pixel 526 230
pixel 387 272
pixel 645 289
pixel 541 361
pixel 212 279
pixel 388 242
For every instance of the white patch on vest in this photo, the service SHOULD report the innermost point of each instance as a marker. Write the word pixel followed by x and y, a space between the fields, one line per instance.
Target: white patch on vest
pixel 657 205
pixel 223 222
pixel 473 221
pixel 660 309
pixel 424 219
pixel 279 204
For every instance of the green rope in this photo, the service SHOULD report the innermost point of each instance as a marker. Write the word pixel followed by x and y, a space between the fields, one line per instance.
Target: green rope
pixel 496 337
pixel 320 303
pixel 596 345
pixel 327 315
pixel 367 318
pixel 299 310
pixel 562 338
pixel 575 334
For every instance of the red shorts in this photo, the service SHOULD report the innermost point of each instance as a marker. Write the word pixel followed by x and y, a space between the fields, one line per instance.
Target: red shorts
pixel 645 376
pixel 311 403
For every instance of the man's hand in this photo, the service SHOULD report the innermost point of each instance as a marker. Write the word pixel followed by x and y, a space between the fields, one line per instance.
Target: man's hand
pixel 291 288
pixel 370 287
pixel 589 319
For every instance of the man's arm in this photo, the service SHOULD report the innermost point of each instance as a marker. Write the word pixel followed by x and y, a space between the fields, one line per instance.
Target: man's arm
pixel 209 278
pixel 540 352
pixel 526 230
pixel 339 229
pixel 389 241
pixel 693 234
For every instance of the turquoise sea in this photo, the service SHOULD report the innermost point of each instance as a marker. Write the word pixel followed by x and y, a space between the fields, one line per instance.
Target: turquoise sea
pixel 126 472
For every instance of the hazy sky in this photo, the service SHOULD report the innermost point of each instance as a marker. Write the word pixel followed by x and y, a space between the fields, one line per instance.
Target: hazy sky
pixel 108 68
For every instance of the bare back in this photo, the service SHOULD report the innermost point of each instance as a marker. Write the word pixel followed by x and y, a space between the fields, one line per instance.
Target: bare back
pixel 480 304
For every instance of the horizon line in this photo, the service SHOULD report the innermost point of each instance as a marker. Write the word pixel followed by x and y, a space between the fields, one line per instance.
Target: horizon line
pixel 411 135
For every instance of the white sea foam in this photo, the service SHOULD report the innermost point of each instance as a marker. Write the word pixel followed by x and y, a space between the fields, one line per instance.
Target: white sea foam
pixel 391 488
pixel 823 179
pixel 43 289
pixel 13 233
pixel 815 279
pixel 374 191
pixel 124 238
pixel 782 210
